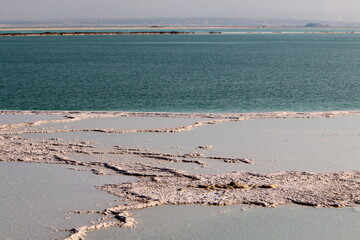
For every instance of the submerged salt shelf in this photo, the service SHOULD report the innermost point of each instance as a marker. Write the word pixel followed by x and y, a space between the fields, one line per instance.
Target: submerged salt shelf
pixel 317 145
pixel 202 159
pixel 119 123
pixel 35 199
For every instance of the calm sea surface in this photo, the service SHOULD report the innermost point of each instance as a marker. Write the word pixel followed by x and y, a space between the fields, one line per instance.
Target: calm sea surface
pixel 181 73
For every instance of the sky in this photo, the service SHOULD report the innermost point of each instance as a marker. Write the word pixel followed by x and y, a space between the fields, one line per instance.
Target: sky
pixel 328 10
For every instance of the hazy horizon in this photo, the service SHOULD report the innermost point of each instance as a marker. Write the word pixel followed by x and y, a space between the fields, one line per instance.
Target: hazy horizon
pixel 321 10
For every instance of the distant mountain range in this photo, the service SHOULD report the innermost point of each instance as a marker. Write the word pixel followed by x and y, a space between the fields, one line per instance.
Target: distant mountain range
pixel 172 22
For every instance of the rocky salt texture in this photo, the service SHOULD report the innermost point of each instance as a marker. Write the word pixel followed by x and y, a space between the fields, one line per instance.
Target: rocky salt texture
pixel 268 190
pixel 124 221
pixel 163 185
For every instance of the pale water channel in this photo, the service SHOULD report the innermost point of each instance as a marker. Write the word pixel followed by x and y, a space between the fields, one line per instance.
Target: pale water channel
pixel 35 197
pixel 205 222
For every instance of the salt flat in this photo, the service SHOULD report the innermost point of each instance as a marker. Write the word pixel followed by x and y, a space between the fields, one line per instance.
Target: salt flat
pixel 256 160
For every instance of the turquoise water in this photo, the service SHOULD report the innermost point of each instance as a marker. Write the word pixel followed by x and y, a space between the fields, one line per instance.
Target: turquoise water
pixel 181 73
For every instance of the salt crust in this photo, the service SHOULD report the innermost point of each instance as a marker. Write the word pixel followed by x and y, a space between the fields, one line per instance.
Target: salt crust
pixel 161 185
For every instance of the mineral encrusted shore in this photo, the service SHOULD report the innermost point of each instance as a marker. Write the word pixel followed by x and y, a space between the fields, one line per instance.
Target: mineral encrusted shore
pixel 163 185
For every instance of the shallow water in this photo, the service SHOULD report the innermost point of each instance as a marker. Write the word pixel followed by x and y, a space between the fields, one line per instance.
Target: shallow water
pixel 22 118
pixel 204 222
pixel 316 145
pixel 35 197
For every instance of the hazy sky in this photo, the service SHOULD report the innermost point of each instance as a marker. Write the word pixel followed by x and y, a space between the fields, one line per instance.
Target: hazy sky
pixel 331 10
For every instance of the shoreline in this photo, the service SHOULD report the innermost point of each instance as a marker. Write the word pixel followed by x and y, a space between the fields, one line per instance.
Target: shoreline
pixel 99 33
pixel 167 27
pixel 274 114
pixel 170 33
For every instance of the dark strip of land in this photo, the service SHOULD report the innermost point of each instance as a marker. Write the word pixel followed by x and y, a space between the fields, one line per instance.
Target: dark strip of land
pixel 97 33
